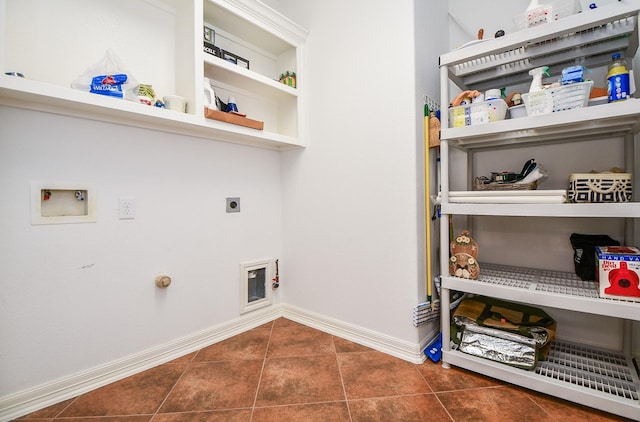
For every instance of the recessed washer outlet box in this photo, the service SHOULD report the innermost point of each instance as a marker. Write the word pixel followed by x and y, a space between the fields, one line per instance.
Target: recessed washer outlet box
pixel 62 203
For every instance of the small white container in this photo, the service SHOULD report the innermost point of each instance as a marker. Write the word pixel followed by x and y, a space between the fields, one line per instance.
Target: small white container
pixel 598 101
pixel 550 11
pixel 493 94
pixel 175 102
pixel 477 113
pixel 518 111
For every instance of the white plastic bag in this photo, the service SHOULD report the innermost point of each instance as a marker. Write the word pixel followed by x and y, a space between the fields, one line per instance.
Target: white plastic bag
pixel 108 77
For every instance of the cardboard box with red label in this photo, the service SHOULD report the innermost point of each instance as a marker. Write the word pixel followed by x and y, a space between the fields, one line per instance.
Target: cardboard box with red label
pixel 618 272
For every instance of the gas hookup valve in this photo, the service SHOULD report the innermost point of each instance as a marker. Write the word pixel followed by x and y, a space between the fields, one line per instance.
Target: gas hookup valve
pixel 276 279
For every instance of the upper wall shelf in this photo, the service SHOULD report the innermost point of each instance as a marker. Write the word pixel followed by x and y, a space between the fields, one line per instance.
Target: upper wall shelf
pixel 230 74
pixel 172 60
pixel 40 96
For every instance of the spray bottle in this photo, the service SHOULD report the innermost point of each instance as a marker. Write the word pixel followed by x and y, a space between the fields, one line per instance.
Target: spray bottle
pixel 537 73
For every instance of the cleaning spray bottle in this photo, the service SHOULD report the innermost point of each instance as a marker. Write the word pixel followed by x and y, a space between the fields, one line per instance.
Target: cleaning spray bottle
pixel 537 73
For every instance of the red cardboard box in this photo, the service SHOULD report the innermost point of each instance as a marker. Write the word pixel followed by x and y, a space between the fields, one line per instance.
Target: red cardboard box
pixel 618 272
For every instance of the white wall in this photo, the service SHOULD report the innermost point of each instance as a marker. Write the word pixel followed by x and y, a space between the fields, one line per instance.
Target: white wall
pixel 343 215
pixel 431 34
pixel 76 296
pixel 351 213
pixel 82 295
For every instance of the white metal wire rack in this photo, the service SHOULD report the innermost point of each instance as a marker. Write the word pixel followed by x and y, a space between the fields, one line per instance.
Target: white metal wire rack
pixel 511 65
pixel 595 369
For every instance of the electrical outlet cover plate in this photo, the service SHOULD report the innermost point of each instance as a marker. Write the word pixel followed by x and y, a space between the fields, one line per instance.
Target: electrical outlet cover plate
pixel 233 204
pixel 127 208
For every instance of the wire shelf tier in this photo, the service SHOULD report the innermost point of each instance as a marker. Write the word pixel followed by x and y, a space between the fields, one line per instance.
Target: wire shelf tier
pixel 508 63
pixel 599 370
pixel 558 289
pixel 541 280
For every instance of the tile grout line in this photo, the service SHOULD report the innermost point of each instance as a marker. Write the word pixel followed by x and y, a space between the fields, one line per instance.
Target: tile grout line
pixel 59 414
pixel 344 389
pixel 443 406
pixel 155 413
pixel 434 392
pixel 532 398
pixel 264 362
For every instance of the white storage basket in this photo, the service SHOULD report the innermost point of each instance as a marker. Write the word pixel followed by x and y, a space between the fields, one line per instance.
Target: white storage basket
pixel 477 113
pixel 600 187
pixel 553 100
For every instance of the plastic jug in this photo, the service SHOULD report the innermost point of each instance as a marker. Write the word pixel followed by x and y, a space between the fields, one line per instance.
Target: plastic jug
pixel 209 96
pixel 618 79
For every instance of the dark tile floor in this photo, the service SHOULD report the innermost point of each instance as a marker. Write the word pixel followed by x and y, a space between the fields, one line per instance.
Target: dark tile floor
pixel 285 371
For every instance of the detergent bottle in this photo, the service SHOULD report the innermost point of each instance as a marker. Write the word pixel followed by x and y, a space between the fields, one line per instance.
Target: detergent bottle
pixel 209 96
pixel 617 79
pixel 537 73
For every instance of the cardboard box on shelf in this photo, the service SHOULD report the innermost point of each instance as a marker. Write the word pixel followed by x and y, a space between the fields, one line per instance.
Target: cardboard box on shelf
pixel 618 272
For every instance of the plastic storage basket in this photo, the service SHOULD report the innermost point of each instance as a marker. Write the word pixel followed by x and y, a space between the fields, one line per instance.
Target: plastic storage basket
pixel 551 11
pixel 553 100
pixel 478 184
pixel 477 113
pixel 600 187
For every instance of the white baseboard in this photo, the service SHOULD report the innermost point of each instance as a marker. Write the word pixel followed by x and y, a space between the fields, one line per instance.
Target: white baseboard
pixel 412 352
pixel 44 395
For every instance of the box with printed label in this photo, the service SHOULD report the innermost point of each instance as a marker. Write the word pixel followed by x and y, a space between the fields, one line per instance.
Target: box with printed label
pixel 618 272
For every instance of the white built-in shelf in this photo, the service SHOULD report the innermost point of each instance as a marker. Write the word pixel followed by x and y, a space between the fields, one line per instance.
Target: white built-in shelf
pixel 40 96
pixel 232 75
pixel 272 44
pixel 161 42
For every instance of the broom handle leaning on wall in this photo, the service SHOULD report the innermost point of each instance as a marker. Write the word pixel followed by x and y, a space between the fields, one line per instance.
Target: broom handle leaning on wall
pixel 427 198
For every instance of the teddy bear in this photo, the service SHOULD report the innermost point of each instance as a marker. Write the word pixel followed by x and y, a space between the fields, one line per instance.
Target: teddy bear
pixel 464 253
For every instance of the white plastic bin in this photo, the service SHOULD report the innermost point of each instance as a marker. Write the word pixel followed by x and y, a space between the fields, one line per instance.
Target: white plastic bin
pixel 552 10
pixel 477 113
pixel 553 100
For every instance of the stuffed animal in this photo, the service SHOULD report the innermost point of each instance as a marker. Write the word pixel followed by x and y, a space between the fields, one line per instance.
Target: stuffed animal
pixel 465 98
pixel 464 253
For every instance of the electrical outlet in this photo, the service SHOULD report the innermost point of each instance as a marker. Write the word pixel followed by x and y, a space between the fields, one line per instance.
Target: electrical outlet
pixel 233 204
pixel 127 208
